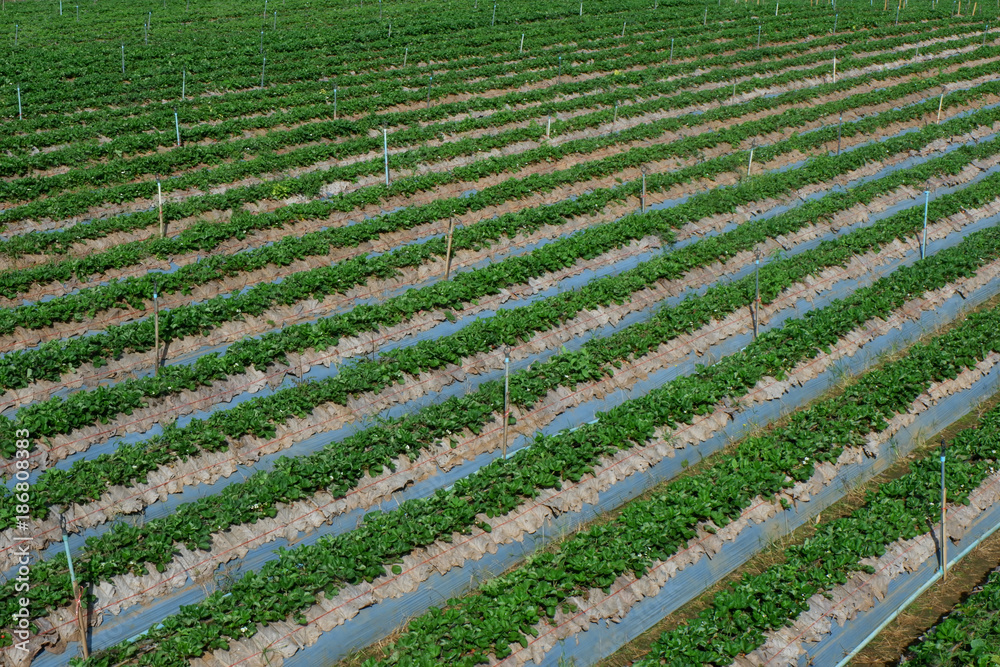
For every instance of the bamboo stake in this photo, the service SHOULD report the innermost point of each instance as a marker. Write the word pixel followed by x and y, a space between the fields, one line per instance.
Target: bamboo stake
pixel 974 5
pixel 940 104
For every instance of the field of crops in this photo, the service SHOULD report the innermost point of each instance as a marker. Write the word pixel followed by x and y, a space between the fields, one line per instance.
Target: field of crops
pixel 422 332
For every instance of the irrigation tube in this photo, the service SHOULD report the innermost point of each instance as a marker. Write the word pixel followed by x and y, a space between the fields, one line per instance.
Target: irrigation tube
pixel 910 600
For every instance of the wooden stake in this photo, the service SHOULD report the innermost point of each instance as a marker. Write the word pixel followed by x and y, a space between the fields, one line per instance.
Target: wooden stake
pixel 974 5
pixel 447 255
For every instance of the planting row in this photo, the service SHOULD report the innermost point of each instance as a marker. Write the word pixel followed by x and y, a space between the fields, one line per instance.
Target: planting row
pixel 384 539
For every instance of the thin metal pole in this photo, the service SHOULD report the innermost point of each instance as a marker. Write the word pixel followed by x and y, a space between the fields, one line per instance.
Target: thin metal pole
pixel 671 51
pixel 159 198
pixel 494 19
pixel 923 241
pixel 406 54
pixel 521 49
pixel 836 17
pixel 76 591
pixel 581 9
pixel 69 557
pixel 447 255
pixel 335 103
pixel 123 58
pixel 705 20
pixel 60 7
pixel 184 76
pixel 430 83
pixel 385 152
pixel 758 35
pixel 560 67
pixel 156 330
pixel 177 126
pixel 262 41
pixel 753 147
pixel 506 396
pixel 275 26
pixel 78 13
pixel 19 116
pixel 840 127
pixel 642 201
pixel 548 128
pixel 940 105
pixel 263 65
pixel 145 32
pixel 756 307
pixel 623 28
pixel 944 516
pixel 16 29
pixel 897 12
